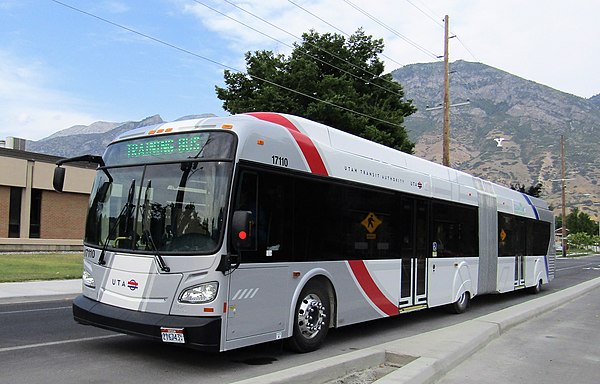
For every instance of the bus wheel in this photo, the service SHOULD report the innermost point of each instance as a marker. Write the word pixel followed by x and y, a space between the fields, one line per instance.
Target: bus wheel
pixel 311 319
pixel 462 304
pixel 536 288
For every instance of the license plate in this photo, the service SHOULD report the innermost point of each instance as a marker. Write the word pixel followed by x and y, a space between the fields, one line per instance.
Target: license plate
pixel 172 335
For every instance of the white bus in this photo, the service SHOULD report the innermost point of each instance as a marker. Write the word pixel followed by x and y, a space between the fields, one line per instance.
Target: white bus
pixel 225 232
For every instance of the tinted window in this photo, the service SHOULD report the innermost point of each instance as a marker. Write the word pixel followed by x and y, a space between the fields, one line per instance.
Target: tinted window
pixel 519 236
pixel 455 230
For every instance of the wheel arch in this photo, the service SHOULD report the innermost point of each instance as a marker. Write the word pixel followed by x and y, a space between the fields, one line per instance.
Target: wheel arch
pixel 463 282
pixel 320 277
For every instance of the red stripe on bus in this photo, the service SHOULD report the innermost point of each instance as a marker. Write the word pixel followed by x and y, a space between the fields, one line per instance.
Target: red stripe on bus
pixel 359 269
pixel 308 148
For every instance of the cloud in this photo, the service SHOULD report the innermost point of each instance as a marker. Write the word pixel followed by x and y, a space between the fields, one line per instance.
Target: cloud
pixel 29 107
pixel 287 20
pixel 551 44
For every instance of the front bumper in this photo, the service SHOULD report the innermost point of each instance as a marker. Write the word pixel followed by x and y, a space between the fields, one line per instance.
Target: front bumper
pixel 200 332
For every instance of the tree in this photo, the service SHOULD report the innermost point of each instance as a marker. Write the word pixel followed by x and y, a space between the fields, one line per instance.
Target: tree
pixel 534 190
pixel 323 73
pixel 581 240
pixel 581 222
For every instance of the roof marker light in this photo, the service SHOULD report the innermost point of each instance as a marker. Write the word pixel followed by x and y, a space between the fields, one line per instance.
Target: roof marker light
pixel 227 126
pixel 260 142
pixel 152 132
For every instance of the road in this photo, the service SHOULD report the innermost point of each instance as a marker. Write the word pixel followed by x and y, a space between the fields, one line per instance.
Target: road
pixel 40 343
pixel 560 346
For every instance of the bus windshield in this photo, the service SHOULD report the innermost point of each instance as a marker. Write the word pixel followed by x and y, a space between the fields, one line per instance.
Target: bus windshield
pixel 156 202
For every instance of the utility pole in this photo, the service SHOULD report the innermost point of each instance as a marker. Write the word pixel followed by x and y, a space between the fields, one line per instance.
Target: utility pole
pixel 446 135
pixel 563 180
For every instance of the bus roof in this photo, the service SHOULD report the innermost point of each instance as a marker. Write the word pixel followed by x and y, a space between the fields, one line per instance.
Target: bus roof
pixel 314 147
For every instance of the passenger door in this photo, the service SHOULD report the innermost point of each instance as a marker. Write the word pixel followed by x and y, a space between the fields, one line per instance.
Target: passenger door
pixel 414 250
pixel 259 301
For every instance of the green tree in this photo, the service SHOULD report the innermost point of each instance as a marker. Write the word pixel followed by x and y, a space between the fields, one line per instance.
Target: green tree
pixel 581 222
pixel 581 240
pixel 533 190
pixel 342 72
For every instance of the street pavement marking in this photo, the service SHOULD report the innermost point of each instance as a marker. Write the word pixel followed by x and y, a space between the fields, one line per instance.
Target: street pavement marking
pixel 29 346
pixel 575 266
pixel 33 310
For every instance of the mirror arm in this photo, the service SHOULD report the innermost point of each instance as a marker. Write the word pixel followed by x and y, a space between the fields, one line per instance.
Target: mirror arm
pixel 90 159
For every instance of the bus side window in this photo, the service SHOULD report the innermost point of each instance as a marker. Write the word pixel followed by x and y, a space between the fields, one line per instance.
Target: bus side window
pixel 274 219
pixel 245 199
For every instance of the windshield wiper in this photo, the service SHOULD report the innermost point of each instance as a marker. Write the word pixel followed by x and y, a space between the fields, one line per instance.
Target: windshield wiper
pixel 148 234
pixel 157 256
pixel 201 149
pixel 125 211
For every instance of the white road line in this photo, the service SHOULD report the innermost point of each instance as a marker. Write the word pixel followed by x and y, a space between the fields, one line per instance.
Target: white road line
pixel 576 266
pixel 33 310
pixel 29 346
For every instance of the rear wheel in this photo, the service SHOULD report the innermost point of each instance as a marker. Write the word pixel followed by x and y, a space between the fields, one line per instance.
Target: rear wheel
pixel 462 304
pixel 536 288
pixel 311 319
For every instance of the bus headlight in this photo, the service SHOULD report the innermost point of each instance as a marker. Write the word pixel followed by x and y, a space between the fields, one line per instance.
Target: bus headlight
pixel 200 294
pixel 88 279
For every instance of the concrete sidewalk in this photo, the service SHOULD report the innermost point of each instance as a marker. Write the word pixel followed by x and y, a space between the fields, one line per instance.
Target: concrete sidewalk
pixel 39 291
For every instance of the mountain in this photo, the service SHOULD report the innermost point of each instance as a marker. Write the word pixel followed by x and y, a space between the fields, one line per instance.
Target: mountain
pixel 97 127
pixel 82 140
pixel 92 139
pixel 530 117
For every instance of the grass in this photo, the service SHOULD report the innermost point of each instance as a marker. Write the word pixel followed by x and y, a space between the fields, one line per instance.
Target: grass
pixel 40 266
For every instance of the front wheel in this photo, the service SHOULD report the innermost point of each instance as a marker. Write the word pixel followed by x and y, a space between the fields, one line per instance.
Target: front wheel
pixel 311 319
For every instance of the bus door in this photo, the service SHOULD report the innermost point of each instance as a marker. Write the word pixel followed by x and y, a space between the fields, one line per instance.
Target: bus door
pixel 519 271
pixel 413 250
pixel 258 303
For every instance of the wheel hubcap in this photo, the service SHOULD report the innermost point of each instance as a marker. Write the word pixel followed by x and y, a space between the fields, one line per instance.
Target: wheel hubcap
pixel 311 316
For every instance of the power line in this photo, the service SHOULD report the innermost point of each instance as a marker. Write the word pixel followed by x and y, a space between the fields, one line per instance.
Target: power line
pixel 220 64
pixel 426 14
pixel 370 81
pixel 336 28
pixel 441 25
pixel 381 23
pixel 467 48
pixel 375 76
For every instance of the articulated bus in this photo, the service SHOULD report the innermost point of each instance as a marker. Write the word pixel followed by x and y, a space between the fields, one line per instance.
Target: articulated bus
pixel 225 232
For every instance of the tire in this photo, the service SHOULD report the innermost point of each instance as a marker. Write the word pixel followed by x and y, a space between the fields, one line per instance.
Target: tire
pixel 462 304
pixel 311 319
pixel 536 288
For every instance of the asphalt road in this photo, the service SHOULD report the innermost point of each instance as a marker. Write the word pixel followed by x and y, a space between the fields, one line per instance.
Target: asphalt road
pixel 40 343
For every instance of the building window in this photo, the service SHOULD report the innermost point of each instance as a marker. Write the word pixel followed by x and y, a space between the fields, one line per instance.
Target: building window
pixel 35 214
pixel 14 212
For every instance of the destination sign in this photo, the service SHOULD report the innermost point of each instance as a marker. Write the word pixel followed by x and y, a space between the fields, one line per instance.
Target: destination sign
pixel 168 146
pixel 183 146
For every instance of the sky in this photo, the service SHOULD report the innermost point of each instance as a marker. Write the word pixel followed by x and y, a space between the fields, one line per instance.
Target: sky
pixel 117 60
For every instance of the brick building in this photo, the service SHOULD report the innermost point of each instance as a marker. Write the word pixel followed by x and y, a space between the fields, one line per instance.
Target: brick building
pixel 32 215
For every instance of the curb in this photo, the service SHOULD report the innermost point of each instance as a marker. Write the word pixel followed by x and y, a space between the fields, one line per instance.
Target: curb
pixel 429 356
pixel 323 370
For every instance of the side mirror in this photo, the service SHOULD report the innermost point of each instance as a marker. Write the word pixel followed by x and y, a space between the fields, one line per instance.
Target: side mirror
pixel 103 191
pixel 58 182
pixel 241 230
